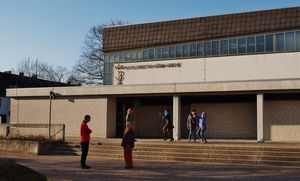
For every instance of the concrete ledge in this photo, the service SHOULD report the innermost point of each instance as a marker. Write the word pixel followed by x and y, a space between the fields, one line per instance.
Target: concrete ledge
pixel 20 146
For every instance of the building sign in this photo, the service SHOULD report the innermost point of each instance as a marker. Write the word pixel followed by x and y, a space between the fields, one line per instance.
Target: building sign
pixel 149 66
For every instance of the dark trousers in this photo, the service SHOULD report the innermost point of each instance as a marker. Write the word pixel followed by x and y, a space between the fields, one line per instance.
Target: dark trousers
pixel 84 152
pixel 128 157
pixel 200 133
pixel 168 133
pixel 192 134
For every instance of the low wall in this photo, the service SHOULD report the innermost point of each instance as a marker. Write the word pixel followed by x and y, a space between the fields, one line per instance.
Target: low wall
pixel 21 146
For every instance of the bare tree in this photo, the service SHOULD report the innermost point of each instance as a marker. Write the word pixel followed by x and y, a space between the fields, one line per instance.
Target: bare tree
pixel 89 68
pixel 42 70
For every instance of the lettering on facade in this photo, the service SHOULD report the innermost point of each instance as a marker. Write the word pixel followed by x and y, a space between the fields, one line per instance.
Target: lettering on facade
pixel 149 66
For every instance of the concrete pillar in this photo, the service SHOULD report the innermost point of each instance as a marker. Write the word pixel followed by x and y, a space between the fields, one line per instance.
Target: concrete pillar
pixel 111 118
pixel 260 117
pixel 176 117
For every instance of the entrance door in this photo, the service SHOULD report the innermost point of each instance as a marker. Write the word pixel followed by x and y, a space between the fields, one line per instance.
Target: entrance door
pixel 121 115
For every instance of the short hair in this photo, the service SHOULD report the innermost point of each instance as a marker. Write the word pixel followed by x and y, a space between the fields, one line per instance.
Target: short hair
pixel 194 110
pixel 87 117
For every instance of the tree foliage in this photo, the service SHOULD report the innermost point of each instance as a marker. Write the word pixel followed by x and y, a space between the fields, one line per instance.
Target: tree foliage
pixel 35 67
pixel 89 68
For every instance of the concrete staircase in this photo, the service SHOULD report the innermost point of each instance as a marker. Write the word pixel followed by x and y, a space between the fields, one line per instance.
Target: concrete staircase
pixel 272 154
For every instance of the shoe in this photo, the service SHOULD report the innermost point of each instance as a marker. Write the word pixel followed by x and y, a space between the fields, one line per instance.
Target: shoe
pixel 204 141
pixel 172 139
pixel 135 140
pixel 85 167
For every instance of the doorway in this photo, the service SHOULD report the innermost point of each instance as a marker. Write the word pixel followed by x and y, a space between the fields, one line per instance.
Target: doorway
pixel 122 107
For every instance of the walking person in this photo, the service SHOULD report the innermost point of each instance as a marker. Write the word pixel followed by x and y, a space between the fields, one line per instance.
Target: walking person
pixel 85 132
pixel 128 145
pixel 168 126
pixel 192 123
pixel 202 127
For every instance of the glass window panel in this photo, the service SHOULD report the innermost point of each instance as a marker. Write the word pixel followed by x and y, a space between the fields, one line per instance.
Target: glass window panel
pixel 117 57
pixel 157 53
pixel 289 41
pixel 171 52
pixel 224 47
pixel 134 55
pixel 111 57
pixel 165 52
pixel 106 67
pixel 298 40
pixel 151 53
pixel 200 51
pixel 145 54
pixel 260 43
pixel 269 43
pixel 193 50
pixel 279 41
pixel 215 48
pixel 232 46
pixel 106 58
pixel 179 51
pixel 122 56
pixel 140 55
pixel 242 47
pixel 128 56
pixel 185 50
pixel 207 48
pixel 250 44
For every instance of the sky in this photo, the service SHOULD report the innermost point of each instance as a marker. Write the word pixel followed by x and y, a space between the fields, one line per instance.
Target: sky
pixel 53 30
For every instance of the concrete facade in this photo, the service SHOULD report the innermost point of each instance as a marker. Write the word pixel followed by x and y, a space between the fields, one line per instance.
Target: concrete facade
pixel 214 69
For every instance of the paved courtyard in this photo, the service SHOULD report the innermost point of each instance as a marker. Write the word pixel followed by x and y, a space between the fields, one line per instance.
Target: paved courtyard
pixel 67 168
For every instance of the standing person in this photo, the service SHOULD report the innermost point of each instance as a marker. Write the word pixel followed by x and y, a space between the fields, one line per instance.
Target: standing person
pixel 202 127
pixel 168 126
pixel 128 145
pixel 85 132
pixel 192 122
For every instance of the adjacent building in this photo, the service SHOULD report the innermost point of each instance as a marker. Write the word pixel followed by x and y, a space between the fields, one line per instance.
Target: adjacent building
pixel 243 69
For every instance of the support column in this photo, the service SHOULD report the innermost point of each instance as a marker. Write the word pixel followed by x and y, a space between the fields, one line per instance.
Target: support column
pixel 176 117
pixel 260 117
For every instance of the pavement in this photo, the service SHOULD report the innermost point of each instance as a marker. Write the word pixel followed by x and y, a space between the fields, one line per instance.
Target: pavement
pixel 67 168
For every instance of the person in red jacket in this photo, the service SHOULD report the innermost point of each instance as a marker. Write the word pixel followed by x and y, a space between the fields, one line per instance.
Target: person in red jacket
pixel 85 132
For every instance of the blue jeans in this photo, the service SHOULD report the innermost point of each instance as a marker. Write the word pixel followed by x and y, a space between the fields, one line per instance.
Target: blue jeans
pixel 192 134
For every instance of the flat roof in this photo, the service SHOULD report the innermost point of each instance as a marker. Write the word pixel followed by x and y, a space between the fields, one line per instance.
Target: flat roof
pixel 143 35
pixel 254 86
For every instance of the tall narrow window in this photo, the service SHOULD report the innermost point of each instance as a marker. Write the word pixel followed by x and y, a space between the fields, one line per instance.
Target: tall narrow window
pixel 215 48
pixel 232 46
pixel 289 41
pixel 157 53
pixel 179 51
pixel 117 57
pixel 171 52
pixel 242 47
pixel 207 48
pixel 250 44
pixel 151 54
pixel 279 41
pixel 298 40
pixel 185 49
pixel 224 47
pixel 128 56
pixel 260 43
pixel 200 51
pixel 165 52
pixel 193 50
pixel 269 43
pixel 140 55
pixel 146 54
pixel 122 56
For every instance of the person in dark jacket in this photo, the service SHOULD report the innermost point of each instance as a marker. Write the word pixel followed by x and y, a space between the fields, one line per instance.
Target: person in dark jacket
pixel 168 126
pixel 128 144
pixel 202 127
pixel 192 123
pixel 85 132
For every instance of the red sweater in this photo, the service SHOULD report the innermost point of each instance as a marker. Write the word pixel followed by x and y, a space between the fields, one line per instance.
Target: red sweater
pixel 85 132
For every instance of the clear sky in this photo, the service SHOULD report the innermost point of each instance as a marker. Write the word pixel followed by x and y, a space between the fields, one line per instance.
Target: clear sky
pixel 53 30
